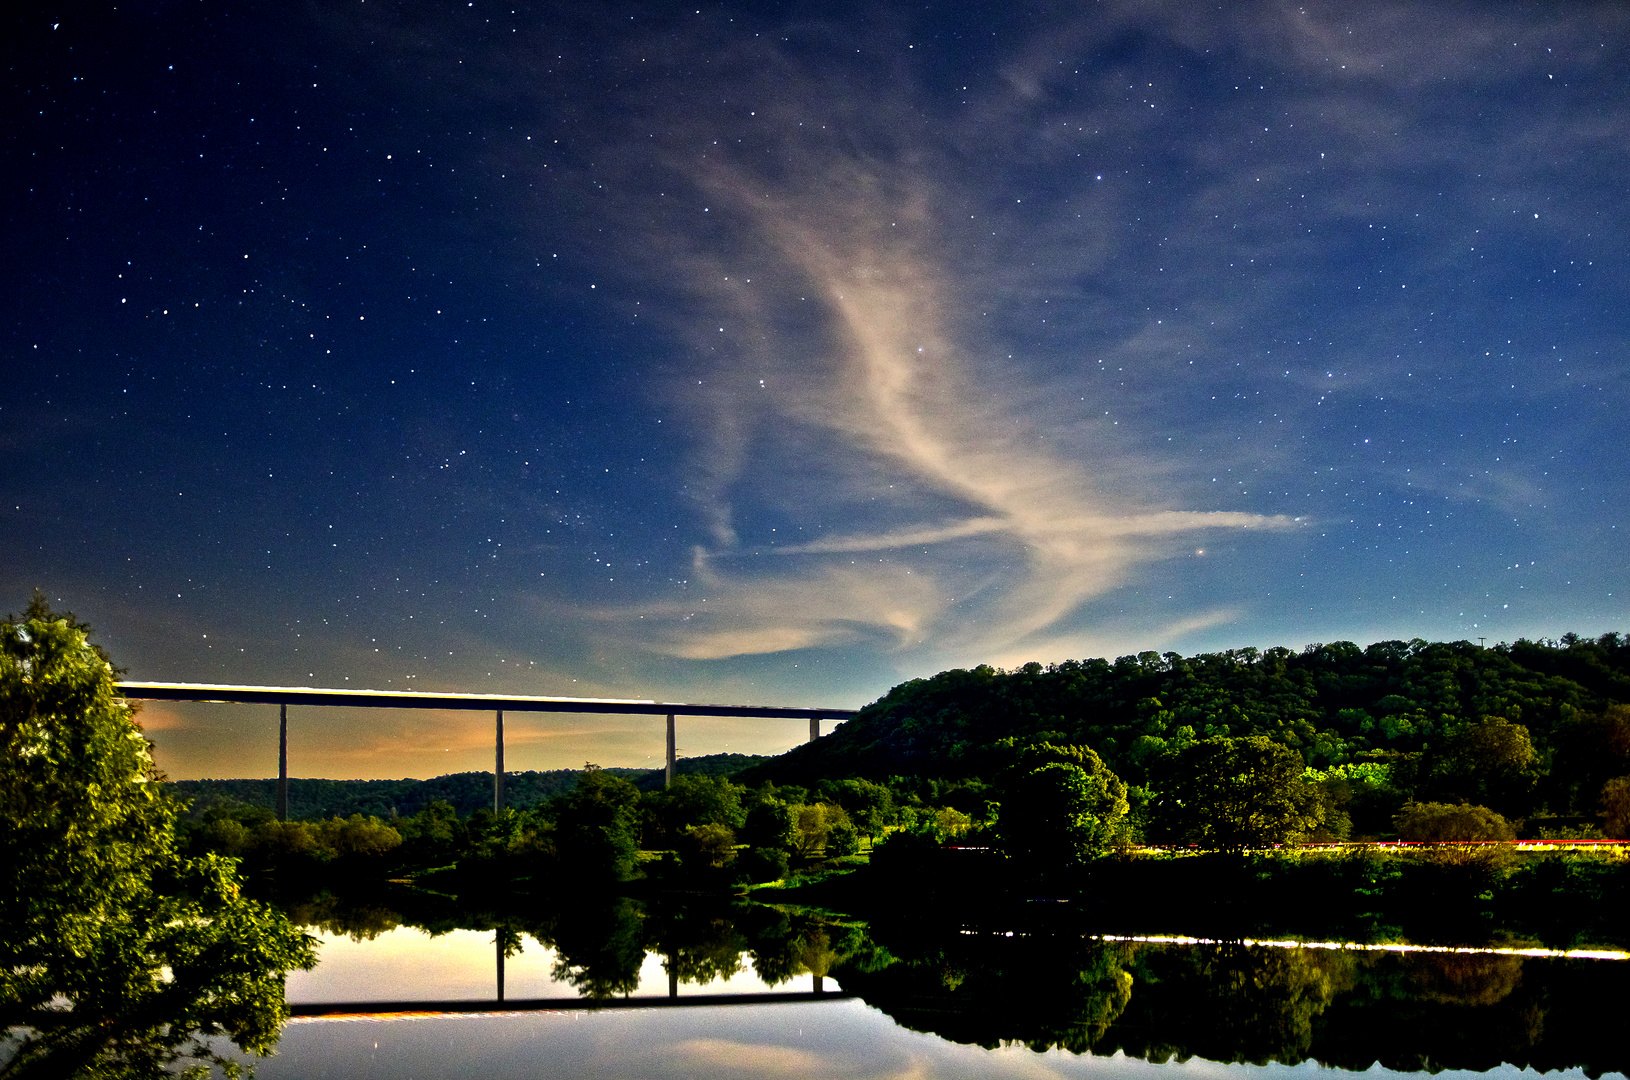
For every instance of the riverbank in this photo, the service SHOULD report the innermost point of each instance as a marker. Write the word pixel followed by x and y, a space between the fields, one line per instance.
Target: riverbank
pixel 1558 899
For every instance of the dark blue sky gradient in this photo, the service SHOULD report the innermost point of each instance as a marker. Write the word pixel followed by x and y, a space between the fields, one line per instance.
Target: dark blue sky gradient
pixel 764 353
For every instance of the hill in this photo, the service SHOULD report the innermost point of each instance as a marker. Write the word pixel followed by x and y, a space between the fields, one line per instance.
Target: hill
pixel 1395 702
pixel 467 792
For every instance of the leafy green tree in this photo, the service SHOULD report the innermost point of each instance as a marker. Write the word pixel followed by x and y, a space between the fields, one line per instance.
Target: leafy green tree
pixel 843 839
pixel 596 827
pixel 117 956
pixel 1061 805
pixel 1231 794
pixel 771 824
pixel 433 835
pixel 690 801
pixel 359 837
pixel 870 806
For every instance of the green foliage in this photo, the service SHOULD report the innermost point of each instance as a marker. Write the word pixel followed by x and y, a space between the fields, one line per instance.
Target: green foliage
pixel 1060 805
pixel 1615 803
pixel 710 845
pixel 691 801
pixel 596 827
pixel 1442 717
pixel 1445 821
pixel 870 806
pixel 1491 762
pixel 1231 794
pixel 433 836
pixel 153 954
pixel 842 840
pixel 772 825
pixel 388 800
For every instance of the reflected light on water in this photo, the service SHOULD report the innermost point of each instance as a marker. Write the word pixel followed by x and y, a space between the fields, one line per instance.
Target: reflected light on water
pixel 838 1039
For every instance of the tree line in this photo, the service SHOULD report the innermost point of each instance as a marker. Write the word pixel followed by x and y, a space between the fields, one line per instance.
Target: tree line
pixel 602 829
pixel 1245 747
pixel 1054 766
pixel 466 792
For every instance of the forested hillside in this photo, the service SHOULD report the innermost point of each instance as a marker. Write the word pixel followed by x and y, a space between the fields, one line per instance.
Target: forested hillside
pixel 465 792
pixel 1524 727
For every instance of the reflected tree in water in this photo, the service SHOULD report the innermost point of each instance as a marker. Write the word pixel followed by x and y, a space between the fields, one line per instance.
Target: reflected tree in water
pixel 990 989
pixel 599 947
pixel 698 945
pixel 359 920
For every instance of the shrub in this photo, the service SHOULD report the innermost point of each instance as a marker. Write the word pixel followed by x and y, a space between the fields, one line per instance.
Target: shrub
pixel 1446 821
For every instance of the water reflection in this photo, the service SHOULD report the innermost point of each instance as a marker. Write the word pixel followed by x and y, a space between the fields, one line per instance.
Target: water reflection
pixel 1233 1002
pixel 375 958
pixel 1048 989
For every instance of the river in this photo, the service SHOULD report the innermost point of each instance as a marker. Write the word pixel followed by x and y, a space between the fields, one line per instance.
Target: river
pixel 792 993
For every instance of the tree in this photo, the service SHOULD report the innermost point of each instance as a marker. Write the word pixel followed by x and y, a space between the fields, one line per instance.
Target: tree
pixel 691 800
pixel 1433 821
pixel 1231 794
pixel 1491 762
pixel 771 824
pixel 152 954
pixel 1060 805
pixel 1615 804
pixel 597 826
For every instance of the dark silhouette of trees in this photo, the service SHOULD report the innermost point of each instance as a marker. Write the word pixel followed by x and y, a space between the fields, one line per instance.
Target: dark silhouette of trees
pixel 1060 805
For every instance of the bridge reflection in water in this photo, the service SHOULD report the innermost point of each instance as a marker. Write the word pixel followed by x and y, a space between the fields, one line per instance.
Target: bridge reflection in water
pixel 446 970
pixel 336 1010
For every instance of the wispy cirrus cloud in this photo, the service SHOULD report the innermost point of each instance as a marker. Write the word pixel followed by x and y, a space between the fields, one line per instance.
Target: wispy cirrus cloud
pixel 839 320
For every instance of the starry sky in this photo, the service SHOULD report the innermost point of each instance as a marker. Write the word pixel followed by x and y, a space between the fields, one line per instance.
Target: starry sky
pixel 778 353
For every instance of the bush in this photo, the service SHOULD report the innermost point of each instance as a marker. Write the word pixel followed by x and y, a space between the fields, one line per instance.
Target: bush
pixel 1432 821
pixel 711 845
pixel 843 840
pixel 759 864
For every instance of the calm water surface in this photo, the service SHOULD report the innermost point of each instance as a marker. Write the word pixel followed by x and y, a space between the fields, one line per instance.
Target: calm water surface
pixel 1099 998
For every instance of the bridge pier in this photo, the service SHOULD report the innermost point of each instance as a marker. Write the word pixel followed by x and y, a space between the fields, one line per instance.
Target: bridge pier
pixel 673 756
pixel 498 769
pixel 283 762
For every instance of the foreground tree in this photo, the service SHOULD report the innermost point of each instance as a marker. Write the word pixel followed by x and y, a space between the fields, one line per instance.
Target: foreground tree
pixel 1232 794
pixel 117 957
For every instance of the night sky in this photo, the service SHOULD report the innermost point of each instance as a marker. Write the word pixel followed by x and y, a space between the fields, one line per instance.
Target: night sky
pixel 781 353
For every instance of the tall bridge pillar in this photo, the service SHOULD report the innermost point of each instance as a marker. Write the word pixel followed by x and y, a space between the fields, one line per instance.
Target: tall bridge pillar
pixel 283 762
pixel 498 769
pixel 672 754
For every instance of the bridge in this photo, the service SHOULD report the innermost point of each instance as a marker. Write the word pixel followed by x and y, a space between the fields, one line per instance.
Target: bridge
pixel 284 696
